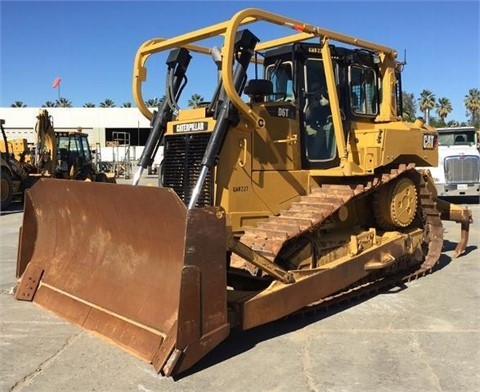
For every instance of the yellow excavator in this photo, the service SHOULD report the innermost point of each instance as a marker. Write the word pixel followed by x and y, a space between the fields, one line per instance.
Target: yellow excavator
pixel 294 187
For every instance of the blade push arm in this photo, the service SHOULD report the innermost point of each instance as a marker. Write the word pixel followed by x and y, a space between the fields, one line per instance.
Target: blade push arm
pixel 177 62
pixel 245 43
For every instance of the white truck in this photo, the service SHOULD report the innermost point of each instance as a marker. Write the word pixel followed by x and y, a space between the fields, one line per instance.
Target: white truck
pixel 457 173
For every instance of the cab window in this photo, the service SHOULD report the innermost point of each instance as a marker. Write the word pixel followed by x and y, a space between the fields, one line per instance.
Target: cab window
pixel 319 132
pixel 363 90
pixel 280 74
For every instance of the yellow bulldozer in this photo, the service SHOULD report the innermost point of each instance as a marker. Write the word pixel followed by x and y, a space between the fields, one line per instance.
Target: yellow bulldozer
pixel 294 187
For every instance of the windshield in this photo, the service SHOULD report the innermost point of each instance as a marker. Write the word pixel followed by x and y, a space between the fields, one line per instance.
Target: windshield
pixel 72 147
pixel 64 142
pixel 456 138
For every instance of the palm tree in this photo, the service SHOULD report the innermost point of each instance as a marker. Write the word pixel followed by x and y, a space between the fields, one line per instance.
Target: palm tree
pixel 18 104
pixel 63 103
pixel 472 104
pixel 88 105
pixel 127 105
pixel 444 108
pixel 195 101
pixel 426 102
pixel 153 102
pixel 108 103
pixel 454 123
pixel 409 107
pixel 49 104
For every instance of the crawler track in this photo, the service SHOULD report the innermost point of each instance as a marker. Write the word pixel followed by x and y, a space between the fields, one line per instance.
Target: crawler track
pixel 314 210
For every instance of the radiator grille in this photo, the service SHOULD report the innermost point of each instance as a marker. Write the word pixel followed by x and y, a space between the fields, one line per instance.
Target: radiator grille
pixel 183 154
pixel 463 169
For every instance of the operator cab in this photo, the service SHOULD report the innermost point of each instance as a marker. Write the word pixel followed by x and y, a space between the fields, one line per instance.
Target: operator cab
pixel 73 154
pixel 297 74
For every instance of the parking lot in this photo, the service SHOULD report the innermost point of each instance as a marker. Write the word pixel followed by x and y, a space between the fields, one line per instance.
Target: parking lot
pixel 424 336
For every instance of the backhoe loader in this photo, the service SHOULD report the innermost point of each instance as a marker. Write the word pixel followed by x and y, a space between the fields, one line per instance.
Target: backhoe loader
pixel 59 154
pixel 65 154
pixel 295 186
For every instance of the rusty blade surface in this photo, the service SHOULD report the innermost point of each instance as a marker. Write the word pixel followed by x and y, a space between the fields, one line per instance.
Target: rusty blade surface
pixel 107 257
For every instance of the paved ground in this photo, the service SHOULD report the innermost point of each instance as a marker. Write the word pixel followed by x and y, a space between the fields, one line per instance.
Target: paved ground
pixel 424 337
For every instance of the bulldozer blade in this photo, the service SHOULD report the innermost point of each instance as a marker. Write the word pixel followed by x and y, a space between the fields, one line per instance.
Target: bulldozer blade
pixel 129 263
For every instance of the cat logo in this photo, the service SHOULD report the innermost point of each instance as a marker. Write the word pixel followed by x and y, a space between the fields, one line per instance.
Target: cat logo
pixel 429 141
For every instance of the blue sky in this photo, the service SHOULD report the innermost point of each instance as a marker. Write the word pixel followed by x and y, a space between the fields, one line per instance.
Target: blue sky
pixel 91 44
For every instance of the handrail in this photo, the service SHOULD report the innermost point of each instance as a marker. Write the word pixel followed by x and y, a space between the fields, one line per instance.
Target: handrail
pixel 228 29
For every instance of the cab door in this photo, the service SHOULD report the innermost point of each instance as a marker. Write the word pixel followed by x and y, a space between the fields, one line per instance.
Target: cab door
pixel 319 147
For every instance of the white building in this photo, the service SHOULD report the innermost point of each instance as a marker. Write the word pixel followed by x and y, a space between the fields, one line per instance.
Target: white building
pixel 98 123
pixel 123 126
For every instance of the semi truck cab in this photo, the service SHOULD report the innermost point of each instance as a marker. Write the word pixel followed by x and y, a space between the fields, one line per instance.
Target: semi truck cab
pixel 457 173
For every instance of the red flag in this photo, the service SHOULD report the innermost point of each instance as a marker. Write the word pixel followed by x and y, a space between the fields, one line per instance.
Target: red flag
pixel 56 82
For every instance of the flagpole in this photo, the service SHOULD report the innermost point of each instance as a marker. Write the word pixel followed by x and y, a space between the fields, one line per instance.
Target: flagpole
pixel 56 84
